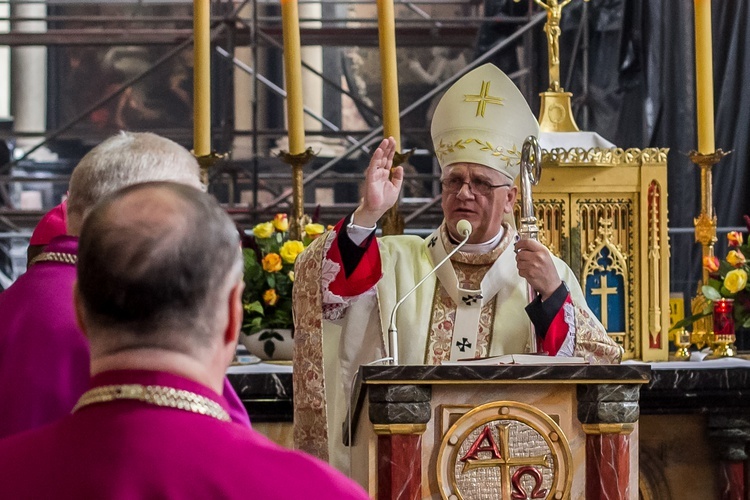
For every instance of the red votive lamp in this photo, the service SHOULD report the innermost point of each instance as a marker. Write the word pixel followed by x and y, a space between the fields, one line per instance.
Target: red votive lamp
pixel 724 320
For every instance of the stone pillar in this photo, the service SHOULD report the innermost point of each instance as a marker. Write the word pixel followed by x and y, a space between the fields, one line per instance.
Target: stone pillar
pixel 608 413
pixel 4 65
pixel 729 436
pixel 399 414
pixel 242 148
pixel 29 76
pixel 312 89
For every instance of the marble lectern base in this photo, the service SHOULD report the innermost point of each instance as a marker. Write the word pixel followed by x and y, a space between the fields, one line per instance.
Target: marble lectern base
pixel 498 432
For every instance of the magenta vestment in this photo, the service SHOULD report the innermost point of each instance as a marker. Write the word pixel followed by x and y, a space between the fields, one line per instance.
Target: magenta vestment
pixel 44 357
pixel 130 449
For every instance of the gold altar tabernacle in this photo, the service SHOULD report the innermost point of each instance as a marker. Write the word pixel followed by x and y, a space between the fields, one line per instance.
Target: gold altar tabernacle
pixel 604 212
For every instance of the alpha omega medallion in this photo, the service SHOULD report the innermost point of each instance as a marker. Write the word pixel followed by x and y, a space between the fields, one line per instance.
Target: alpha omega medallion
pixel 504 450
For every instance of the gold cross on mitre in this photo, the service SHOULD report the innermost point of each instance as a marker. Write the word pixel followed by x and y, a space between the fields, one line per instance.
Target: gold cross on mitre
pixel 483 98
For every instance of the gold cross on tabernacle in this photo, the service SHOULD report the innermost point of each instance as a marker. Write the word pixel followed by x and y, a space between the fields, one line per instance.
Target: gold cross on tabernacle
pixel 483 98
pixel 604 291
pixel 504 462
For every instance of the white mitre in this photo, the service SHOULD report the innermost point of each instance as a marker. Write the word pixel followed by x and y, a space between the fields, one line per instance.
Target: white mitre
pixel 484 119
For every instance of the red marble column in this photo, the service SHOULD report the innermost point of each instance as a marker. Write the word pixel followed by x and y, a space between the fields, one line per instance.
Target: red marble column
pixel 731 480
pixel 608 414
pixel 399 466
pixel 607 466
pixel 730 434
pixel 399 414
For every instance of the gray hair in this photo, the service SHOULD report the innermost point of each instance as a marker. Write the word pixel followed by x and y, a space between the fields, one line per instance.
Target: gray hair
pixel 156 262
pixel 122 160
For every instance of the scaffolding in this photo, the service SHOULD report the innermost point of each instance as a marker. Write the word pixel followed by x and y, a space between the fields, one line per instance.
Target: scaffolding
pixel 123 64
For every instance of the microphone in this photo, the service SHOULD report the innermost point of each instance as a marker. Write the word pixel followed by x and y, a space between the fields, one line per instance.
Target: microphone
pixel 464 228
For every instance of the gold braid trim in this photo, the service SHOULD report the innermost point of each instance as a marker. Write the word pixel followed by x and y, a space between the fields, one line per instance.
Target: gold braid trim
pixel 62 257
pixel 510 156
pixel 310 385
pixel 155 395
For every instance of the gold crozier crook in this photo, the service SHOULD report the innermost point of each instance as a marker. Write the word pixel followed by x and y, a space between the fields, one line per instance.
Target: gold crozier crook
pixel 531 172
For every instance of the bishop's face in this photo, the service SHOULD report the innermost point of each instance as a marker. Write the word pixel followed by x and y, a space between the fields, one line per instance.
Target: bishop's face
pixel 478 194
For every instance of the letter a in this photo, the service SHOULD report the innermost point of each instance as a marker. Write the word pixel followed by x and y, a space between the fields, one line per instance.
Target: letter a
pixel 476 447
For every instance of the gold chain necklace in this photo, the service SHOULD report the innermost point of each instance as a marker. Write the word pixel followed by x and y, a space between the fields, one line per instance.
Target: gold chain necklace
pixel 155 395
pixel 62 257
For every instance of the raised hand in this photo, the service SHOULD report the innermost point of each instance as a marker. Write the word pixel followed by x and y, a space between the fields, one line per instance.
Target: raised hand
pixel 382 185
pixel 535 265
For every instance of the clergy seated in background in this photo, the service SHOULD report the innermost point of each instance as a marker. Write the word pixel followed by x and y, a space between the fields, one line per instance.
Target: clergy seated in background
pixel 159 296
pixel 44 357
pixel 475 306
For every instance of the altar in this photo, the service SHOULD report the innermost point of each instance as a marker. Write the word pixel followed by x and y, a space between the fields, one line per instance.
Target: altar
pixel 692 431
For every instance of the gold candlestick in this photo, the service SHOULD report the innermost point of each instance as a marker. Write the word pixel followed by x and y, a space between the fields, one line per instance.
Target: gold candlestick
pixel 293 76
pixel 298 217
pixel 704 77
pixel 393 222
pixel 297 156
pixel 705 158
pixel 201 78
pixel 705 234
pixel 389 71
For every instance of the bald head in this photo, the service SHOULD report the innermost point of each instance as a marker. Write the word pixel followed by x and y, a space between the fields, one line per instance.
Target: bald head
pixel 155 262
pixel 123 160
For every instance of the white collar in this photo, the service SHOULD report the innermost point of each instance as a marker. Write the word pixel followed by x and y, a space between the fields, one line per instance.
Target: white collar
pixel 485 247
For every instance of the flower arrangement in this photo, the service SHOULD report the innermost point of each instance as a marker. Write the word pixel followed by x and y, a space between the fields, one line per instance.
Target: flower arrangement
pixel 728 280
pixel 269 278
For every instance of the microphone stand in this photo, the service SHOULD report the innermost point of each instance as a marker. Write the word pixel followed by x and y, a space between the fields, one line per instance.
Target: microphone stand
pixel 464 228
pixel 531 172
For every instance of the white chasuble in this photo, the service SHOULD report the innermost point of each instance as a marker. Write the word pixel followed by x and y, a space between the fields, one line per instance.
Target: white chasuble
pixel 490 320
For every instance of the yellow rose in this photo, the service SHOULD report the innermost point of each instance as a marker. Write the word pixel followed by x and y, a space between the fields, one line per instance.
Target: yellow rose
pixel 314 230
pixel 263 230
pixel 270 297
pixel 291 275
pixel 734 238
pixel 735 280
pixel 290 250
pixel 272 263
pixel 281 223
pixel 735 258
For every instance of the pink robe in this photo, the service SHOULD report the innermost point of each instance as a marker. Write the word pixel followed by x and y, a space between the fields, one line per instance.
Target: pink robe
pixel 129 449
pixel 44 357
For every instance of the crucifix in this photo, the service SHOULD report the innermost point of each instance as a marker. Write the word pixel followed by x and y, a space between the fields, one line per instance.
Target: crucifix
pixel 552 28
pixel 604 291
pixel 555 113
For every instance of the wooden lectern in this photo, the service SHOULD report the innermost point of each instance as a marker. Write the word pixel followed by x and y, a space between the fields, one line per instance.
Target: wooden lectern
pixel 506 432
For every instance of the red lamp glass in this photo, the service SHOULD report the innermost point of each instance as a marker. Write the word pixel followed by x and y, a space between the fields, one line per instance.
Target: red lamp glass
pixel 724 327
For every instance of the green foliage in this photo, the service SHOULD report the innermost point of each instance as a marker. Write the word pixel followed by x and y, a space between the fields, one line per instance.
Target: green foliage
pixel 711 293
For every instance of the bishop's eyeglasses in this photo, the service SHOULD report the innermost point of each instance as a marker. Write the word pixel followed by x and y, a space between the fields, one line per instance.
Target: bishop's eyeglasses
pixel 480 187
